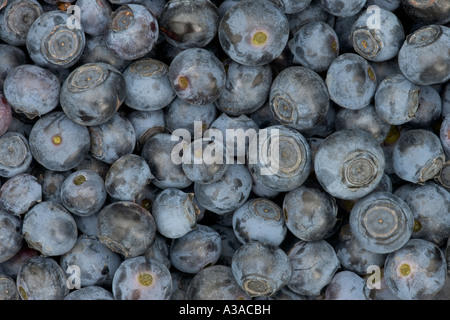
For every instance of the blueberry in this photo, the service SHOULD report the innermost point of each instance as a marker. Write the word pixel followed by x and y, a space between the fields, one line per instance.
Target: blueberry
pixel 230 243
pixel 351 81
pixel 313 12
pixel 20 193
pixel 83 193
pixel 147 84
pixel 294 6
pixel 353 256
pixel 244 34
pixel 385 69
pixel 95 16
pixel 346 285
pixel 8 288
pixel 87 225
pixel 92 93
pixel 127 176
pixel 16 19
pixel 215 283
pixel 443 178
pixel 261 220
pixel 10 57
pixel 175 212
pixel 204 161
pixel 224 6
pixel 378 44
pixel 113 139
pixel 366 119
pixel 49 228
pixel 310 213
pixel 403 108
pixel 32 90
pixel 188 23
pixel 146 196
pixel 429 204
pixel 390 5
pixel 157 151
pixel 41 278
pixel 139 278
pixel 197 76
pixel 424 58
pixel 428 12
pixel 382 222
pixel 261 269
pixel 90 293
pixel 126 228
pixel 315 45
pixel 349 164
pixel 263 117
pixel 12 266
pixel 343 8
pixel 133 31
pixel 342 27
pixel 325 127
pixel 51 182
pixel 444 135
pixel 418 156
pixel 15 154
pixel 416 271
pixel 445 95
pixel 50 42
pixel 180 114
pixel 246 88
pixel 299 98
pixel 93 164
pixel 314 264
pixel 57 143
pixel 97 263
pixel 283 160
pixel 429 109
pixel 159 251
pixel 228 193
pixel 146 124
pixel 10 235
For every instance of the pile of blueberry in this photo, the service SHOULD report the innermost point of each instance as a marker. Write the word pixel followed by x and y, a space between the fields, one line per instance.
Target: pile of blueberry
pixel 129 167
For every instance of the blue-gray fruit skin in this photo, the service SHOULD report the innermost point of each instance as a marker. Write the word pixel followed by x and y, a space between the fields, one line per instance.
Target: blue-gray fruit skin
pixel 215 283
pixel 188 24
pixel 127 176
pixel 55 52
pixel 246 90
pixel 445 95
pixel 261 269
pixel 51 182
pixel 83 193
pixel 157 152
pixel 444 135
pixel 429 109
pixel 402 108
pixel 228 193
pixel 382 222
pixel 230 243
pixel 424 58
pixel 351 81
pixel 97 263
pixel 378 44
pixel 315 46
pixel 435 12
pixel 10 235
pixel 313 12
pixel 197 76
pixel 10 57
pixel 429 204
pixel 19 193
pixel 147 85
pixel 8 288
pixel 299 98
pixel 41 278
pixel 310 213
pixel 50 229
pixel 175 212
pixel 15 154
pixel 259 219
pixel 112 139
pixel 133 31
pixel 92 93
pixel 197 249
pixel 314 264
pixel 240 27
pixel 418 156
pixel 346 285
pixel 366 119
pixel 293 6
pixel 57 143
pixel 146 124
pixel 417 271
pixel 349 164
pixel 159 251
pixel 286 170
pixel 343 8
pixel 90 293
pixel 16 19
pixel 32 90
pixel 353 256
pixel 390 5
pixel 126 228
pixel 95 16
